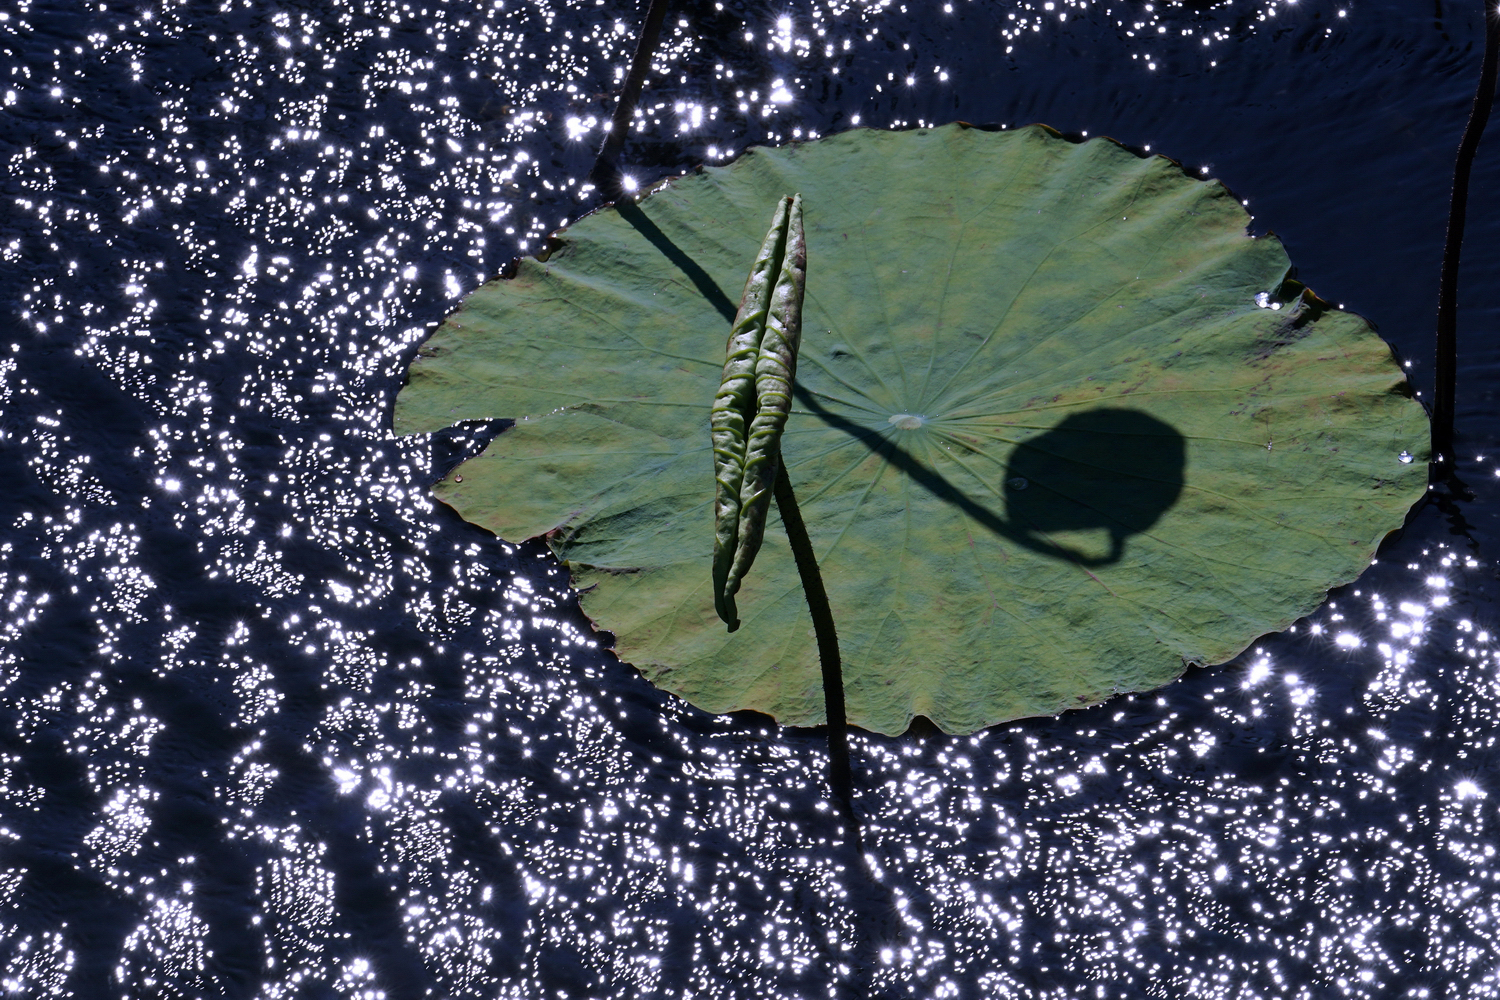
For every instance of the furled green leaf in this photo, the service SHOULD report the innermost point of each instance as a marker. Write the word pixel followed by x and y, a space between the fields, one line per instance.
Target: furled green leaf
pixel 754 399
pixel 1047 443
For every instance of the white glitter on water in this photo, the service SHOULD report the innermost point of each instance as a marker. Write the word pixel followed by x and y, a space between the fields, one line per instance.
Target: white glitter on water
pixel 396 752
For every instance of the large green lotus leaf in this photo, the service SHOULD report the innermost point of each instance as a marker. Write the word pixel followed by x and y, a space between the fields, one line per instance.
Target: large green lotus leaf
pixel 1048 445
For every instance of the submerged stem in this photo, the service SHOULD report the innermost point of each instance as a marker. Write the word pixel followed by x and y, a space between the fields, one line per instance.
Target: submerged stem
pixel 828 640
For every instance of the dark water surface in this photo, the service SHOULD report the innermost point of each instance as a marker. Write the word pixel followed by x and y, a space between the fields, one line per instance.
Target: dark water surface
pixel 276 725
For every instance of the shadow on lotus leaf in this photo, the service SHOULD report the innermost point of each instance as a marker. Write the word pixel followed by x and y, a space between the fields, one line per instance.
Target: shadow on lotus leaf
pixel 1109 469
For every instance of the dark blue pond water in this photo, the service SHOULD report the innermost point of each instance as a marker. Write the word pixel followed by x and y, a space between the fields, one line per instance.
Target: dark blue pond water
pixel 274 724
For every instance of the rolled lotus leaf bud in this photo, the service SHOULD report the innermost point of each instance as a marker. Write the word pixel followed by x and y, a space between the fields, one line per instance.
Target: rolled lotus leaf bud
pixel 734 407
pixel 775 369
pixel 754 400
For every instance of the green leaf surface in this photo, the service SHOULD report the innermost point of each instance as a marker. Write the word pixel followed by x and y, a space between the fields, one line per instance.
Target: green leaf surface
pixel 1047 444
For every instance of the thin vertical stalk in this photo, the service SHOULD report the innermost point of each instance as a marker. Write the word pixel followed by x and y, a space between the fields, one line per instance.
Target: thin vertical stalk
pixel 1446 368
pixel 828 640
pixel 606 172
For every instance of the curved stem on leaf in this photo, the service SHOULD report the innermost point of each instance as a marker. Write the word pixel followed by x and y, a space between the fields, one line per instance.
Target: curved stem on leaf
pixel 828 640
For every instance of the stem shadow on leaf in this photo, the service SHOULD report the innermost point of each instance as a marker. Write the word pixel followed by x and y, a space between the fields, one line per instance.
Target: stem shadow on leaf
pixel 707 287
pixel 1114 469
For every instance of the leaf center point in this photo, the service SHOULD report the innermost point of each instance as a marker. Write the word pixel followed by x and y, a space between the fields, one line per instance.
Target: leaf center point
pixel 907 421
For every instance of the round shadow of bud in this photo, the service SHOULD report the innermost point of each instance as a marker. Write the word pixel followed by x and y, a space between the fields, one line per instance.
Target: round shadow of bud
pixel 1112 469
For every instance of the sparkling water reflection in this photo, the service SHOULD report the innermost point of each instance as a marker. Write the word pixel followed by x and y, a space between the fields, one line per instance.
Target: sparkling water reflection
pixel 276 725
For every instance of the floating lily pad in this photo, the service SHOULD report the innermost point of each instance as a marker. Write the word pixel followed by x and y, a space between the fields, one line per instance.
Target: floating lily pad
pixel 1048 444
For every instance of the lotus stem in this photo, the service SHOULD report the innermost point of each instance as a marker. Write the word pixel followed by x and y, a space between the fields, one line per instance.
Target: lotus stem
pixel 828 640
pixel 1445 372
pixel 606 171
